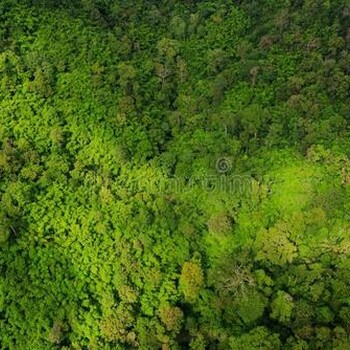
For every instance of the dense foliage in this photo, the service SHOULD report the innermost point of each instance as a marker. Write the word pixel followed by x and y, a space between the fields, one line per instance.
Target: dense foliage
pixel 174 174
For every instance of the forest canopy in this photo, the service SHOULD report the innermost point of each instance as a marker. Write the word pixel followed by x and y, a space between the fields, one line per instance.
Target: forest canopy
pixel 175 174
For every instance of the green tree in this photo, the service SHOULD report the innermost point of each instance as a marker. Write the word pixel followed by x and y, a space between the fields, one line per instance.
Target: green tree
pixel 191 281
pixel 282 307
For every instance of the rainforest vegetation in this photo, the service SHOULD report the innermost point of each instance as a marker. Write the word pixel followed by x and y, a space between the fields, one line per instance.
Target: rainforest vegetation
pixel 175 174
